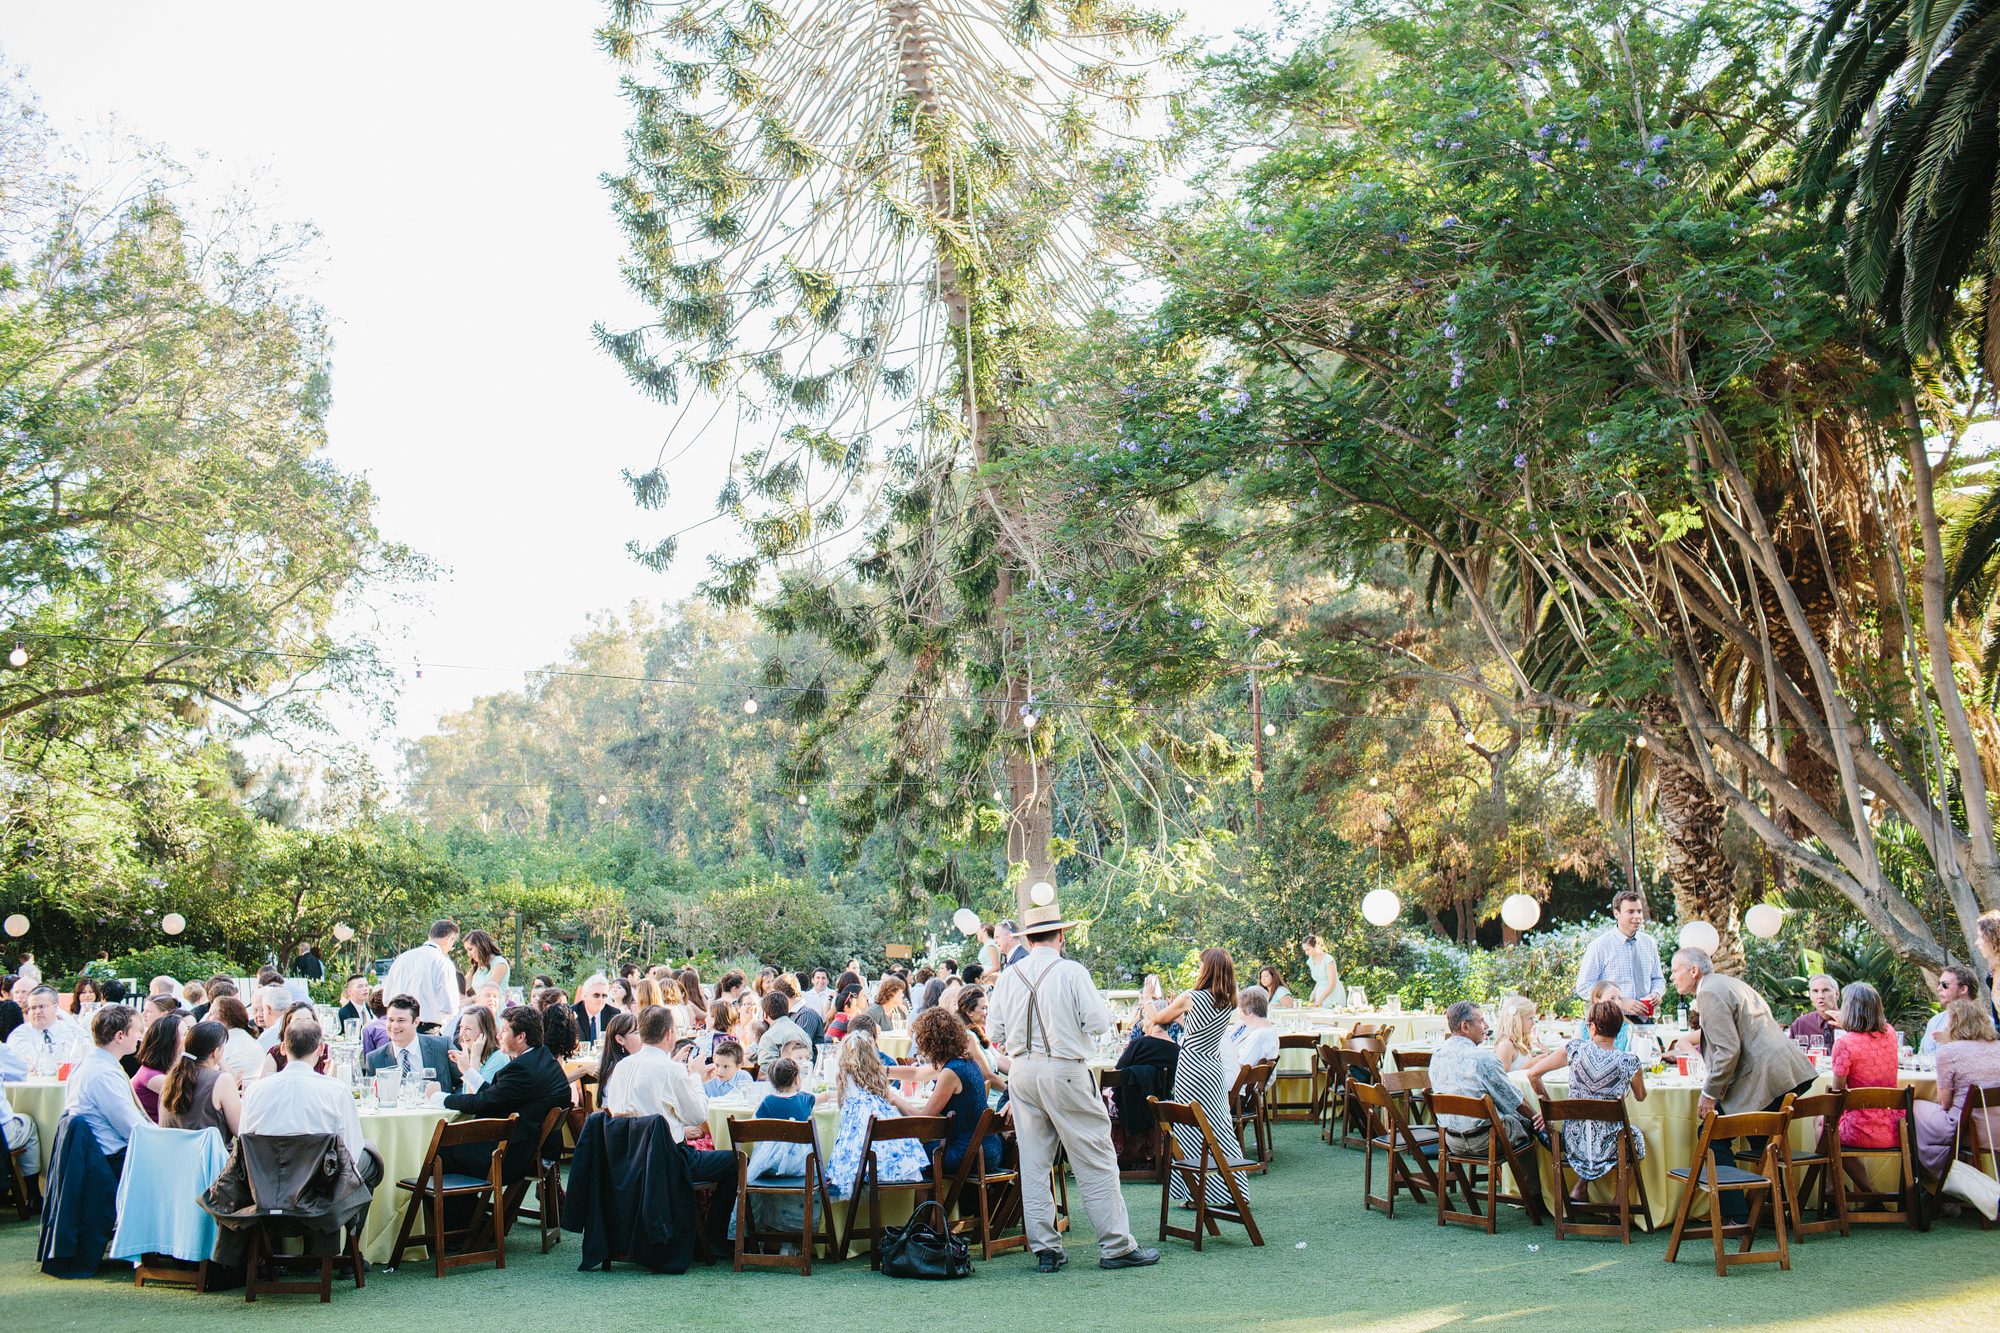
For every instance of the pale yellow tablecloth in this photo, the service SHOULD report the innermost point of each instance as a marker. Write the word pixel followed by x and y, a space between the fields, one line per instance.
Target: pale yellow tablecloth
pixel 41 1100
pixel 896 1207
pixel 403 1137
pixel 1668 1119
pixel 895 1045
pixel 1332 1026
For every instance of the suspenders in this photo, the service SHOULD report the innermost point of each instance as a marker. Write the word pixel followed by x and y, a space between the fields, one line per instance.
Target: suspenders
pixel 1034 1012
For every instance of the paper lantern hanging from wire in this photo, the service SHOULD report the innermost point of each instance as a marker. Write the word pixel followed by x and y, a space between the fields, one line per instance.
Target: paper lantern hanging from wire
pixel 966 920
pixel 173 923
pixel 17 925
pixel 1381 907
pixel 1700 935
pixel 1042 894
pixel 1521 912
pixel 1764 921
pixel 343 932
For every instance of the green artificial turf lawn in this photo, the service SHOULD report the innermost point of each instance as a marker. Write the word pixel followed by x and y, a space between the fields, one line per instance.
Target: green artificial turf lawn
pixel 1357 1270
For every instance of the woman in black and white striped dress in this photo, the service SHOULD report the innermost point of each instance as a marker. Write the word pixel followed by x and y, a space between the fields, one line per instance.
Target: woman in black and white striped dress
pixel 1204 1015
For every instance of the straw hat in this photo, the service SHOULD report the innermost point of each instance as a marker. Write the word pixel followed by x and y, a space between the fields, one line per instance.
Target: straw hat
pixel 1041 920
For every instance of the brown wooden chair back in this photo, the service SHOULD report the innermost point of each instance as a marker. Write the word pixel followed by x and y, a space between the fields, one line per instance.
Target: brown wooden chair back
pixel 866 1181
pixel 433 1186
pixel 1467 1172
pixel 1209 1161
pixel 1907 1196
pixel 1701 1174
pixel 545 1179
pixel 1412 1059
pixel 995 1195
pixel 1978 1133
pixel 1250 1105
pixel 1388 1128
pixel 811 1187
pixel 1821 1168
pixel 1572 1216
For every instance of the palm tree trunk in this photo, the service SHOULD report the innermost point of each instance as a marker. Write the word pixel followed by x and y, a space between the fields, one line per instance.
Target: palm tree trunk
pixel 1702 878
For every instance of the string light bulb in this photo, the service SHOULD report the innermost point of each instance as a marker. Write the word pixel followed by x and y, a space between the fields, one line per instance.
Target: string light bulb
pixel 1471 739
pixel 602 799
pixel 19 657
pixel 750 704
pixel 804 799
pixel 1270 728
pixel 1188 787
pixel 1641 742
pixel 1374 782
pixel 1028 721
pixel 998 799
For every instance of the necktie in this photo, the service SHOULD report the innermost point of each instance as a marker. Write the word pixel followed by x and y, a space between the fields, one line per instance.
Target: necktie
pixel 406 1062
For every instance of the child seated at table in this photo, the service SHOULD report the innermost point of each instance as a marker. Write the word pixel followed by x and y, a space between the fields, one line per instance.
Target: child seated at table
pixel 776 1161
pixel 731 1079
pixel 865 1025
pixel 865 1094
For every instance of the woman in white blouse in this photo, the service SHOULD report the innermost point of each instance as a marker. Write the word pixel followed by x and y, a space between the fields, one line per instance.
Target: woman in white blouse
pixel 241 1053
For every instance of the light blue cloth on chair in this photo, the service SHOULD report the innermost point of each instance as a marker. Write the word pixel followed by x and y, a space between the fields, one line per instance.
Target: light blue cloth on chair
pixel 166 1170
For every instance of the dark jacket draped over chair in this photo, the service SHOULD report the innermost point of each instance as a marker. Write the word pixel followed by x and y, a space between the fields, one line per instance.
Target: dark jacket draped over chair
pixel 79 1207
pixel 1149 1064
pixel 630 1194
pixel 307 1184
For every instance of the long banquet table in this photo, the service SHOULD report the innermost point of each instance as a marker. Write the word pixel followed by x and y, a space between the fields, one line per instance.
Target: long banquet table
pixel 1669 1121
pixel 41 1100
pixel 402 1136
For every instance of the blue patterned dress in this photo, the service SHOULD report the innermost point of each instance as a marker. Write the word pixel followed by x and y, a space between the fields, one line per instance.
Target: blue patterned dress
pixel 899 1161
pixel 1592 1145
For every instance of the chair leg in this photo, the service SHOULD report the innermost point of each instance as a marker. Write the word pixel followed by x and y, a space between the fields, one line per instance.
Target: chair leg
pixel 410 1212
pixel 1715 1230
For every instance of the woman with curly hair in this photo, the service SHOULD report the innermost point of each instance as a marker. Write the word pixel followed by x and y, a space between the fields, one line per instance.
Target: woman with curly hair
pixel 945 1045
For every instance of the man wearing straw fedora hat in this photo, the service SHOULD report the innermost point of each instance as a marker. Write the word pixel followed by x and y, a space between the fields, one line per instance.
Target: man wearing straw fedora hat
pixel 1047 1015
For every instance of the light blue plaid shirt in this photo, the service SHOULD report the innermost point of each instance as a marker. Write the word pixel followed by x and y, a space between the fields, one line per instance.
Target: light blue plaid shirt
pixel 1633 963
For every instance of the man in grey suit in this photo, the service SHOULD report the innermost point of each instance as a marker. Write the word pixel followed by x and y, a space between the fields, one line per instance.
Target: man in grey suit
pixel 417 1054
pixel 1752 1064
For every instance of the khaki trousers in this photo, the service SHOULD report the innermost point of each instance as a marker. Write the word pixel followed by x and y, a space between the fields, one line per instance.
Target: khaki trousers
pixel 1055 1102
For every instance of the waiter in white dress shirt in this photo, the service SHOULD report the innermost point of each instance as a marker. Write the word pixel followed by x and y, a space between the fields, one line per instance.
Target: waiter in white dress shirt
pixel 426 972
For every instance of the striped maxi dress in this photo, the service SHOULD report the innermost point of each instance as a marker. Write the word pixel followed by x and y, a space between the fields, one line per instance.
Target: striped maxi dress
pixel 1199 1078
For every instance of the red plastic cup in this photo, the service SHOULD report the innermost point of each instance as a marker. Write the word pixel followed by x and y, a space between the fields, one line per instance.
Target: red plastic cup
pixel 62 1071
pixel 1682 1060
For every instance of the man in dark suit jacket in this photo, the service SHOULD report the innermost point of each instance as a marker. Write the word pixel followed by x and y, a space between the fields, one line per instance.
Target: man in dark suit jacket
pixel 426 1050
pixel 528 1085
pixel 592 1008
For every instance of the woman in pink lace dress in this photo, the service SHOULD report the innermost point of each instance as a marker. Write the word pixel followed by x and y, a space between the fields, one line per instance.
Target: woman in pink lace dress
pixel 1864 1056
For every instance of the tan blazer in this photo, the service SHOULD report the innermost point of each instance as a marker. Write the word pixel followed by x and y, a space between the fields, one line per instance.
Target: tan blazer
pixel 1751 1061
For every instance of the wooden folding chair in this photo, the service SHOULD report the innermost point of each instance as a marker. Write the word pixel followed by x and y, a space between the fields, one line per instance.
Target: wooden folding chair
pixel 805 1185
pixel 1907 1196
pixel 1820 1166
pixel 1971 1146
pixel 1327 1102
pixel 1419 1106
pixel 1288 1107
pixel 1250 1107
pixel 1462 1171
pixel 1107 1081
pixel 1210 1161
pixel 262 1252
pixel 1409 1156
pixel 433 1185
pixel 995 1195
pixel 1773 1166
pixel 546 1182
pixel 1359 1065
pixel 1566 1211
pixel 26 1198
pixel 867 1176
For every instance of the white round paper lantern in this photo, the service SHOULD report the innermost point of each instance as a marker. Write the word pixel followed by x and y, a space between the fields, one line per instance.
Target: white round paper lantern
pixel 1521 912
pixel 173 923
pixel 343 932
pixel 1700 935
pixel 966 920
pixel 1381 907
pixel 1042 894
pixel 1764 921
pixel 17 925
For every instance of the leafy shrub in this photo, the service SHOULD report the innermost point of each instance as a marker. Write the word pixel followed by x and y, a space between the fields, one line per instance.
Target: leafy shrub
pixel 183 963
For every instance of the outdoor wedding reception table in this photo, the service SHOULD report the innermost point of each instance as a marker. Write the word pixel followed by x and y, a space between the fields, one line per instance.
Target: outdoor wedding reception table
pixel 1669 1121
pixel 1413 1028
pixel 41 1100
pixel 402 1135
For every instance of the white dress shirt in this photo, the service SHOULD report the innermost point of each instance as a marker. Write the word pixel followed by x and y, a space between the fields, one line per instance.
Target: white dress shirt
pixel 99 1092
pixel 1245 1045
pixel 242 1053
pixel 295 1100
pixel 654 1083
pixel 1069 1014
pixel 64 1041
pixel 426 973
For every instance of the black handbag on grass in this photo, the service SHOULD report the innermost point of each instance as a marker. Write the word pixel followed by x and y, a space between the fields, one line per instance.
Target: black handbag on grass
pixel 924 1248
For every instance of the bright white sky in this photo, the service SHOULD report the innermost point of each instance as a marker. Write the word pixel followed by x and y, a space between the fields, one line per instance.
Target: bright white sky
pixel 450 155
